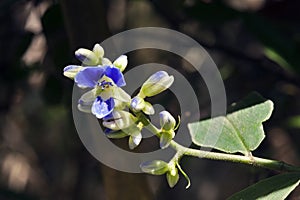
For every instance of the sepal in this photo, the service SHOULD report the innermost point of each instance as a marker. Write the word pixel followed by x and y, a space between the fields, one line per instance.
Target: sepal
pixel 155 167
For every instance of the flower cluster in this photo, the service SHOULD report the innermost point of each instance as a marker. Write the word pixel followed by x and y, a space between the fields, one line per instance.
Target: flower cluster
pixel 107 100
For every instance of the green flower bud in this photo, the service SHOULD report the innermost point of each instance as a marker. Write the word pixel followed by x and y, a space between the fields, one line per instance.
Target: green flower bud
pixel 134 140
pixel 148 109
pixel 172 177
pixel 86 56
pixel 172 174
pixel 155 167
pixel 155 84
pixel 121 62
pixel 167 121
pixel 165 138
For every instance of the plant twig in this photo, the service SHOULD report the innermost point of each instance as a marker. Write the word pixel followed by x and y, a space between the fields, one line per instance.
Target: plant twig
pixel 249 160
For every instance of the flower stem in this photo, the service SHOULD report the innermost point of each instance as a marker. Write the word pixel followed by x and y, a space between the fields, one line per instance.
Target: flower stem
pixel 249 160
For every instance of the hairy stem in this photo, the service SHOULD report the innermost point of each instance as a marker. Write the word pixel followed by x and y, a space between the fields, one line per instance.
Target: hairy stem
pixel 249 160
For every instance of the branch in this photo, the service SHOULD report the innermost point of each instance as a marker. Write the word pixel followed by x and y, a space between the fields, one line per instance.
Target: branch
pixel 249 160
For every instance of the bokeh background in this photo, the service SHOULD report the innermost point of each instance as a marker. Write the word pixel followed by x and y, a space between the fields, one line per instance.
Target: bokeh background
pixel 255 44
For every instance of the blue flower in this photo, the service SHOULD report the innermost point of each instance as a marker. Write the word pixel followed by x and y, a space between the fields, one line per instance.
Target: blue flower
pixel 106 93
pixel 93 58
pixel 90 77
pixel 102 108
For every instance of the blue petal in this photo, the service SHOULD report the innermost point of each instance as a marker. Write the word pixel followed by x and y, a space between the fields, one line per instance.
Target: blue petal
pixel 71 67
pixel 102 108
pixel 108 117
pixel 80 57
pixel 89 76
pixel 108 131
pixel 156 77
pixel 116 75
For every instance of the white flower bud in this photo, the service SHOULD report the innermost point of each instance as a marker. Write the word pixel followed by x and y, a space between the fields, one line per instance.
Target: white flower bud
pixel 148 109
pixel 121 62
pixel 86 56
pixel 167 121
pixel 71 71
pixel 155 84
pixel 98 51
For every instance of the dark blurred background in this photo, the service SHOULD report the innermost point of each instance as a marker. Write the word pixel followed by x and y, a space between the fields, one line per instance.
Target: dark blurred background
pixel 255 44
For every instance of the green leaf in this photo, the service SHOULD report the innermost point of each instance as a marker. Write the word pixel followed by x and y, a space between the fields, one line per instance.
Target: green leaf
pixel 276 57
pixel 240 131
pixel 294 121
pixel 276 187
